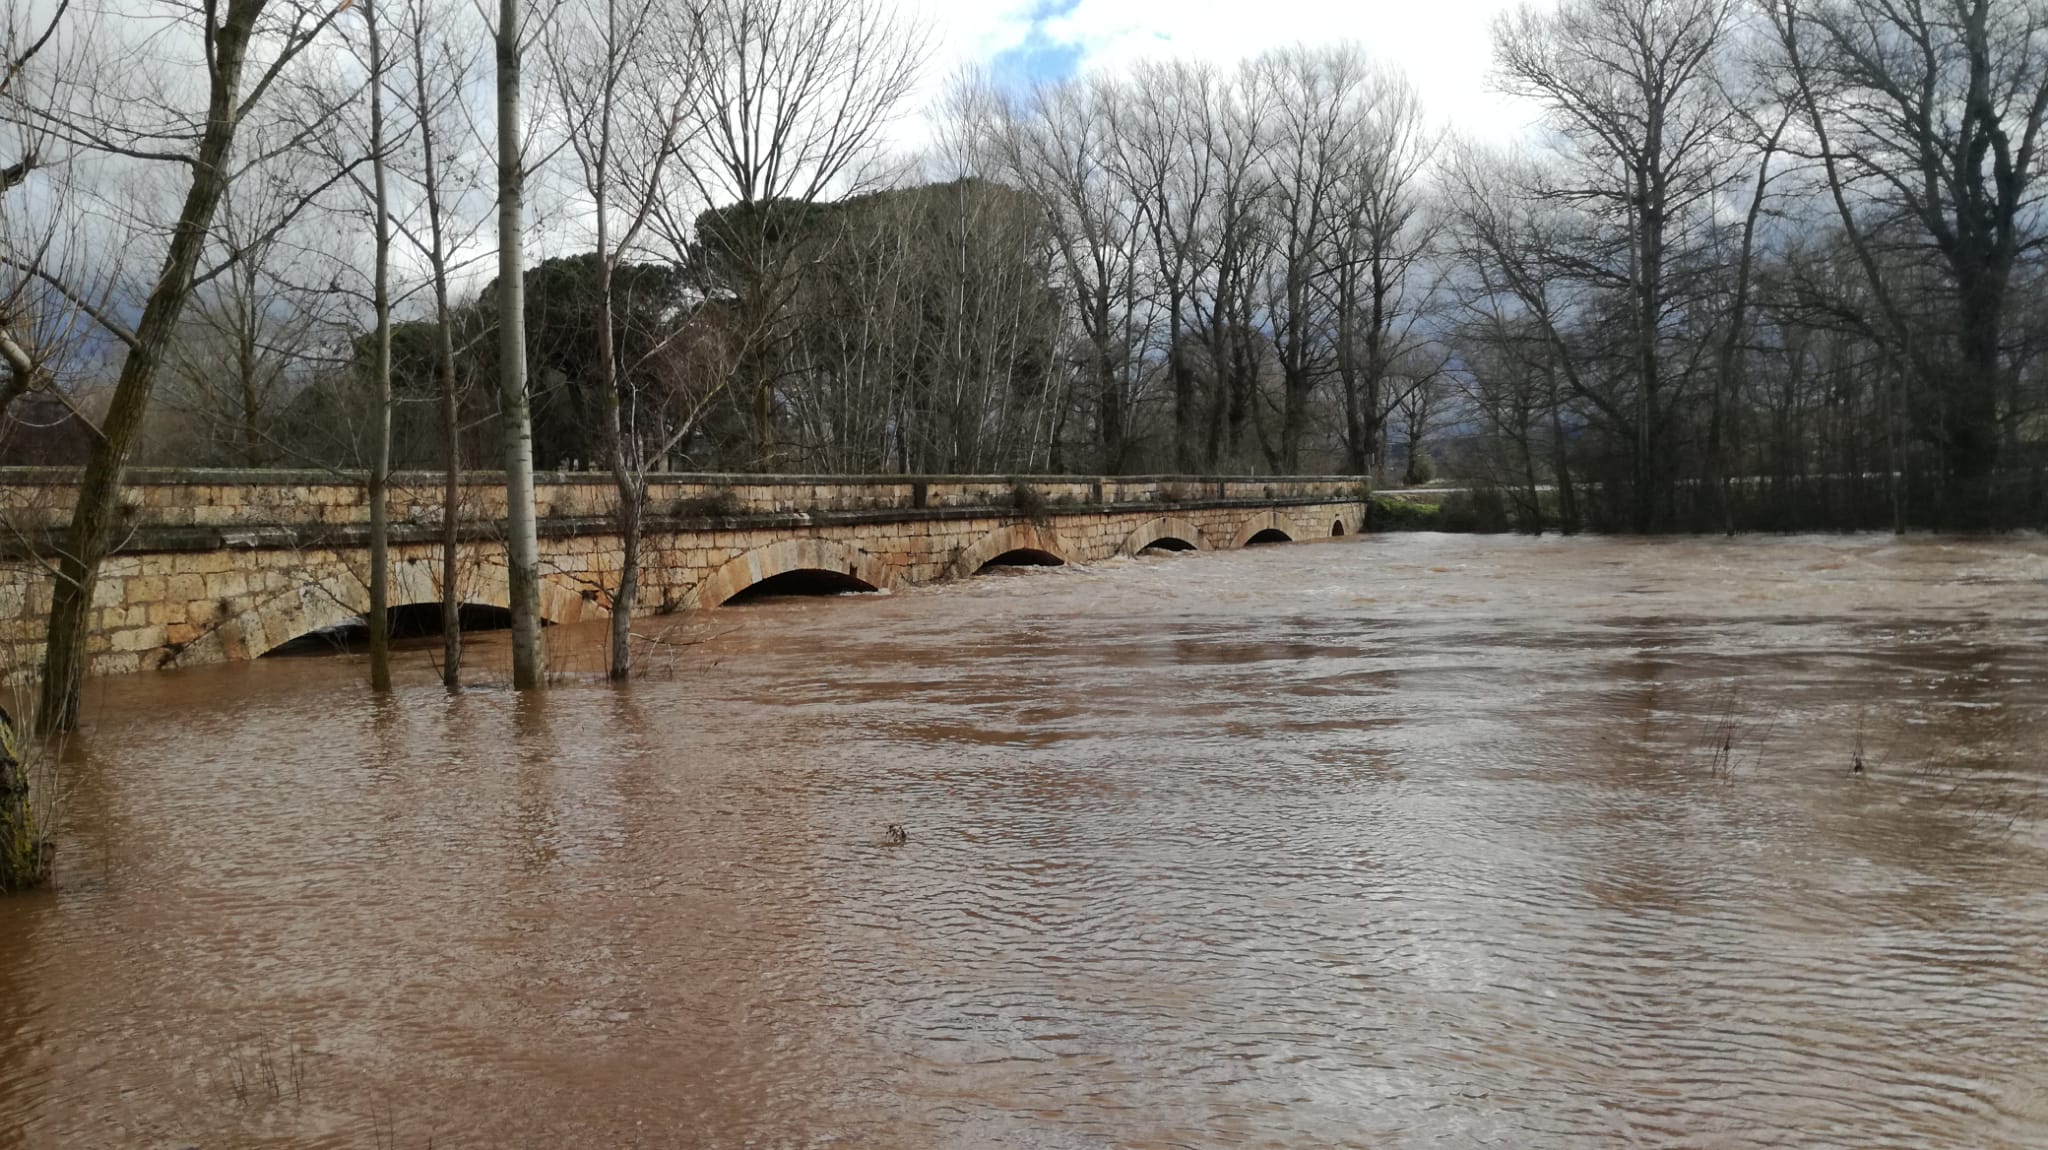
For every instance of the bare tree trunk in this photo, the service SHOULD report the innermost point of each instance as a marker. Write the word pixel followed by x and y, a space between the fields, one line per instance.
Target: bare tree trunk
pixel 451 496
pixel 632 502
pixel 379 615
pixel 1731 357
pixel 626 476
pixel 522 542
pixel 1185 452
pixel 99 489
pixel 1567 495
pixel 444 370
pixel 245 349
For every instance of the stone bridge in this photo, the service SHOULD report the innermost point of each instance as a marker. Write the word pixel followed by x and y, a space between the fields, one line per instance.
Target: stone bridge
pixel 223 565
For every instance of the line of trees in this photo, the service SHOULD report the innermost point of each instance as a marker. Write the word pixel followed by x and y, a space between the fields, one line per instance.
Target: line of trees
pixel 1756 263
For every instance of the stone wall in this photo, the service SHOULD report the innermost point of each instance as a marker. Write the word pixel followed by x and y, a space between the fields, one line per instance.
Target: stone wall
pixel 227 565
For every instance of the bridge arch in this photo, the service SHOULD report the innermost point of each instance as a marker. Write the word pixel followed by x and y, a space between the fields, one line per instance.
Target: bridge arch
pixel 1043 544
pixel 1165 532
pixel 313 604
pixel 1267 527
pixel 828 556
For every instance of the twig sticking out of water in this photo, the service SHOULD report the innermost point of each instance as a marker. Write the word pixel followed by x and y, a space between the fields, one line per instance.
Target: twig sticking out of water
pixel 1730 740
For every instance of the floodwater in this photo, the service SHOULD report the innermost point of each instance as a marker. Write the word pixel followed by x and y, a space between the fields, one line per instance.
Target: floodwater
pixel 1385 841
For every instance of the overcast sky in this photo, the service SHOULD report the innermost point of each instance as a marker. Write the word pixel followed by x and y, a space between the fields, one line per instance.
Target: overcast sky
pixel 1444 46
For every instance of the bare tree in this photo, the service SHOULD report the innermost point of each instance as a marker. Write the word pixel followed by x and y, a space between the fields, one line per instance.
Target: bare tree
pixel 795 95
pixel 225 35
pixel 1383 238
pixel 440 74
pixel 245 334
pixel 1059 145
pixel 1161 155
pixel 1236 139
pixel 1318 104
pixel 21 42
pixel 1633 90
pixel 1926 118
pixel 379 615
pixel 626 91
pixel 522 539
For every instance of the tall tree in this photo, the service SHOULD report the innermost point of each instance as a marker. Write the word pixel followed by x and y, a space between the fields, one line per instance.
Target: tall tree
pixel 795 96
pixel 522 529
pixel 1926 116
pixel 626 94
pixel 226 35
pixel 1382 242
pixel 379 616
pixel 441 72
pixel 1633 92
pixel 1059 145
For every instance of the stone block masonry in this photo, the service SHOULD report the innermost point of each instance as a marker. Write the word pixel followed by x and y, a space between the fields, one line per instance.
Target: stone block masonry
pixel 222 565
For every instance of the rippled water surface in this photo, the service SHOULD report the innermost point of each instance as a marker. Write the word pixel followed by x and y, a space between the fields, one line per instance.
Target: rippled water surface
pixel 1403 841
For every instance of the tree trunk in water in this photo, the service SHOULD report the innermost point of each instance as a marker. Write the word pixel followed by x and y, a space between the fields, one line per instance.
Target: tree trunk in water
pixel 451 502
pixel 632 500
pixel 444 362
pixel 24 851
pixel 1567 497
pixel 379 615
pixel 522 543
pixel 625 455
pixel 1971 419
pixel 99 488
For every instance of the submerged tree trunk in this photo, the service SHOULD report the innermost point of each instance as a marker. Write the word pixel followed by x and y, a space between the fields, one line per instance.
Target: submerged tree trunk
pixel 444 369
pixel 451 495
pixel 522 542
pixel 632 503
pixel 24 852
pixel 1971 441
pixel 379 615
pixel 99 489
pixel 626 474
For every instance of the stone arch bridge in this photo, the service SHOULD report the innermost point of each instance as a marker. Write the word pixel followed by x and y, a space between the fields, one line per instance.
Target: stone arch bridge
pixel 217 566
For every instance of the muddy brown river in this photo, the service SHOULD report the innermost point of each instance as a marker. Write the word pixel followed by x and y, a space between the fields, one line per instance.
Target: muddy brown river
pixel 1381 842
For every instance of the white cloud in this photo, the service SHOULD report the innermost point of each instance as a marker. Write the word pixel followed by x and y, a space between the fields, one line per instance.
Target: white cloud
pixel 1444 46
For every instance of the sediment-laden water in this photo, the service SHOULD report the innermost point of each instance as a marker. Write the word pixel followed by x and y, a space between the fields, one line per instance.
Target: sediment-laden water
pixel 1388 842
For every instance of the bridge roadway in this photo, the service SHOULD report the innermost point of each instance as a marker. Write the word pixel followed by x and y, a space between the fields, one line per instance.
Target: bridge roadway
pixel 224 565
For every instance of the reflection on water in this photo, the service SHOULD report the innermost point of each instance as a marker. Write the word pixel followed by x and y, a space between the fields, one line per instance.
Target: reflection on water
pixel 1405 841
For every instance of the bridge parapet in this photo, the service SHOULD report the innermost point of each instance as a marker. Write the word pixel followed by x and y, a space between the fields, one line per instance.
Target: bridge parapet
pixel 260 499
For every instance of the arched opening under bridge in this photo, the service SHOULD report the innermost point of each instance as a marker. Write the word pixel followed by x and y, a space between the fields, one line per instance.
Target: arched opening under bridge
pixel 802 581
pixel 1012 545
pixel 1268 535
pixel 812 567
pixel 1024 557
pixel 408 621
pixel 1166 533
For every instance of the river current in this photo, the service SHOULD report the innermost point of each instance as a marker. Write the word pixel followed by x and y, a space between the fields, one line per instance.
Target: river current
pixel 1380 842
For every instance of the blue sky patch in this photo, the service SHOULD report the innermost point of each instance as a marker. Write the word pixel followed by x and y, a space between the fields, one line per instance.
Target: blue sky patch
pixel 1039 57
